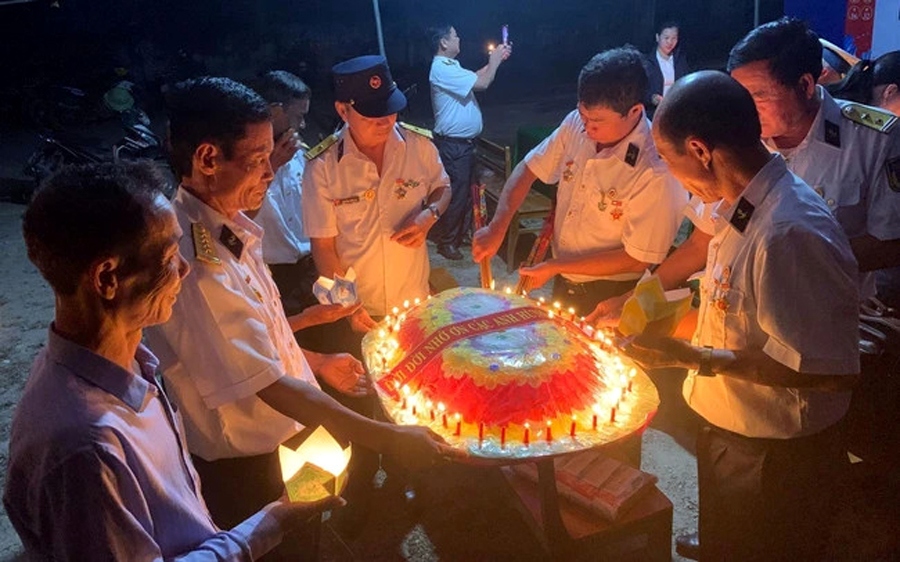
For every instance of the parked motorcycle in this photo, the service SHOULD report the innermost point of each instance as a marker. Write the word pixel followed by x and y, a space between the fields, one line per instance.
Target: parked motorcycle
pixel 59 149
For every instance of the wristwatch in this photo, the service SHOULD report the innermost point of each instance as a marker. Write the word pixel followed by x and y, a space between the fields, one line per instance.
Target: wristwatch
pixel 705 367
pixel 433 208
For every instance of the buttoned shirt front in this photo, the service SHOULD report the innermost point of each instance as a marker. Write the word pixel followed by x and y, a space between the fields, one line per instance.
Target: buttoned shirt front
pixel 785 285
pixel 98 468
pixel 345 198
pixel 227 339
pixel 280 215
pixel 456 111
pixel 847 165
pixel 667 67
pixel 618 197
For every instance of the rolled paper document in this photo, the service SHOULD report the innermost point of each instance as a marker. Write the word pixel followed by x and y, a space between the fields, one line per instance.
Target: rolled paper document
pixel 651 310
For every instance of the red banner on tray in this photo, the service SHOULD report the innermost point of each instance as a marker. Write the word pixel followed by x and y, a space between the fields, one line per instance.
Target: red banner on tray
pixel 432 346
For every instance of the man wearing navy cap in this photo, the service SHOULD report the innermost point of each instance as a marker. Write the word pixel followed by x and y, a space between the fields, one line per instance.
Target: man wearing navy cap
pixel 371 193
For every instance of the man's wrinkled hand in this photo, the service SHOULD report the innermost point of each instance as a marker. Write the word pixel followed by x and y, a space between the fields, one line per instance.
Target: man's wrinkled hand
pixel 361 322
pixel 538 274
pixel 286 146
pixel 485 243
pixel 290 515
pixel 344 373
pixel 417 448
pixel 607 313
pixel 657 352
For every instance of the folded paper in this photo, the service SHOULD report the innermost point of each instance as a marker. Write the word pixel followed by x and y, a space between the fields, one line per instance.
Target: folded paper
pixel 340 290
pixel 652 310
pixel 316 470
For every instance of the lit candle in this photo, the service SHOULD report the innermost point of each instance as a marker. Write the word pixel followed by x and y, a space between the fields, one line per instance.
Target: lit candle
pixel 594 420
pixel 417 301
pixel 503 437
pixel 405 395
pixel 549 432
pixel 480 433
pixel 541 301
pixel 458 426
pixel 493 285
pixel 395 310
pixel 442 409
pixel 612 415
pixel 572 428
pixel 572 314
pixel 430 407
pixel 490 47
pixel 525 438
pixel 557 306
pixel 405 304
pixel 507 290
pixel 631 374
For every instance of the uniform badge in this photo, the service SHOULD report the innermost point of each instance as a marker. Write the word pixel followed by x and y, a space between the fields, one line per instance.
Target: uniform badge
pixel 742 214
pixel 568 174
pixel 375 82
pixel 617 211
pixel 722 286
pixel 256 292
pixel 892 169
pixel 402 187
pixel 203 245
pixel 345 201
pixel 230 240
pixel 369 194
pixel 631 155
pixel 833 134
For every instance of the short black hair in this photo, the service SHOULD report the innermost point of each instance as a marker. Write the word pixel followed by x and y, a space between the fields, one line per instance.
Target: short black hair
pixel 90 212
pixel 279 86
pixel 207 109
pixel 711 106
pixel 436 33
pixel 886 69
pixel 666 25
pixel 615 78
pixel 791 48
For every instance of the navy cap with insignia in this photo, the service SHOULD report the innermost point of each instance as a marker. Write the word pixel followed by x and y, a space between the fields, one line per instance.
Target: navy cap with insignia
pixel 366 83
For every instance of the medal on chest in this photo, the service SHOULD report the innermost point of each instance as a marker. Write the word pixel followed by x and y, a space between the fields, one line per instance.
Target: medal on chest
pixel 403 187
pixel 608 201
pixel 720 289
pixel 568 174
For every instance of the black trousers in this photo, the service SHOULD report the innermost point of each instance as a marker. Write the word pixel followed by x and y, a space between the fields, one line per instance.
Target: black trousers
pixel 458 157
pixel 584 297
pixel 234 489
pixel 768 499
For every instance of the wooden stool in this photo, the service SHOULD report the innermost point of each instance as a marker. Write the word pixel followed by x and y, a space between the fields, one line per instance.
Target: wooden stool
pixel 568 531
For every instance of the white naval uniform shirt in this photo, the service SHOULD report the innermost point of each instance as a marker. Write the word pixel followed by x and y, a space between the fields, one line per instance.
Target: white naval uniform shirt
pixel 845 163
pixel 279 216
pixel 344 197
pixel 622 196
pixel 785 285
pixel 228 338
pixel 456 111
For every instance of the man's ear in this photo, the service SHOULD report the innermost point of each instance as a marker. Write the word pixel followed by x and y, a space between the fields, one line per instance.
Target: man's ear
pixel 342 110
pixel 807 85
pixel 699 150
pixel 105 277
pixel 889 92
pixel 635 109
pixel 206 158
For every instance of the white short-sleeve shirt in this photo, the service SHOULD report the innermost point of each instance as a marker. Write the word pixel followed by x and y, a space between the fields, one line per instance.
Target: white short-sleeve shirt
pixel 456 111
pixel 345 198
pixel 280 215
pixel 785 285
pixel 622 196
pixel 227 339
pixel 848 165
pixel 667 68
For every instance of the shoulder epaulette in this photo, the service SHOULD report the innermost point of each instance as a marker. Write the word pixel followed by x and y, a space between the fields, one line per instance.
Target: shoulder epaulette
pixel 321 147
pixel 204 248
pixel 871 117
pixel 418 130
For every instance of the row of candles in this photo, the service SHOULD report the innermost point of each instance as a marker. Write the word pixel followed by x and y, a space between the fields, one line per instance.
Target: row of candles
pixel 619 383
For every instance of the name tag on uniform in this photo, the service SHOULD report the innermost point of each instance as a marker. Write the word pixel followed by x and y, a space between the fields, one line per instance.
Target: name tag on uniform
pixel 368 195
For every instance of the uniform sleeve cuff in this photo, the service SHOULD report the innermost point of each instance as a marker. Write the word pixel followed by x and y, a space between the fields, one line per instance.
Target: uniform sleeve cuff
pixel 645 256
pixel 243 389
pixel 814 365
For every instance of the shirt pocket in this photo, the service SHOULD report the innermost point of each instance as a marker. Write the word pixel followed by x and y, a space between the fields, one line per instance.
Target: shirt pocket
pixel 728 322
pixel 351 218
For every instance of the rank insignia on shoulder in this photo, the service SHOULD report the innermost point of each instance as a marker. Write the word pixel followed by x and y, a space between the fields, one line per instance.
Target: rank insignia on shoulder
pixel 631 155
pixel 204 249
pixel 230 240
pixel 320 148
pixel 418 130
pixel 742 215
pixel 892 169
pixel 833 134
pixel 871 117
